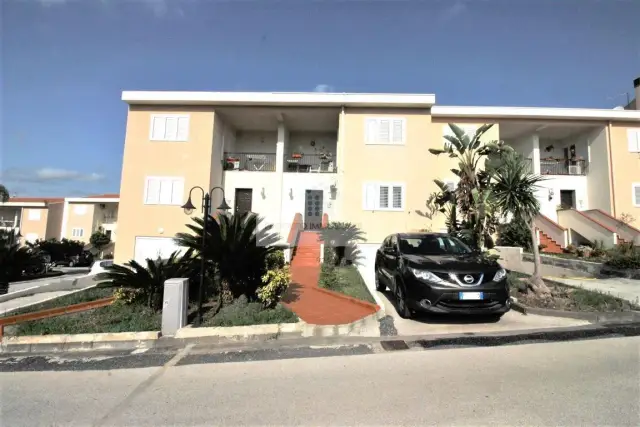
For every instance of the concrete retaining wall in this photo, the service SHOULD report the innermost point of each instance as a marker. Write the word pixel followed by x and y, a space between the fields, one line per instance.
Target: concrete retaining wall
pixel 56 286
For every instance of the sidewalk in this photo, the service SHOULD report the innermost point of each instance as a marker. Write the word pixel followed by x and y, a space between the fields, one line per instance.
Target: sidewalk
pixel 628 289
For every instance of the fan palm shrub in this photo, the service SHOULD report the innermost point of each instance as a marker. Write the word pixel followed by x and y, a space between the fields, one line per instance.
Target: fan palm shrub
pixel 339 236
pixel 237 248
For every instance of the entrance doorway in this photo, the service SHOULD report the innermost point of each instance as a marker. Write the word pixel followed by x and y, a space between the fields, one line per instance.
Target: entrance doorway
pixel 567 199
pixel 243 200
pixel 313 200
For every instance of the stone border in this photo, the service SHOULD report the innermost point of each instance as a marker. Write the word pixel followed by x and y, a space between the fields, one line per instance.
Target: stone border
pixel 365 327
pixel 79 342
pixel 589 267
pixel 593 317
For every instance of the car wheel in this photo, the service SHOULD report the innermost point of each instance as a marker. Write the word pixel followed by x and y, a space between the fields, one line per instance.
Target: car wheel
pixel 380 287
pixel 71 264
pixel 401 303
pixel 496 317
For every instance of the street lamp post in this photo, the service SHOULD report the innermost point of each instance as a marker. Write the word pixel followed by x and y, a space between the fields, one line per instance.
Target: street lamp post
pixel 206 205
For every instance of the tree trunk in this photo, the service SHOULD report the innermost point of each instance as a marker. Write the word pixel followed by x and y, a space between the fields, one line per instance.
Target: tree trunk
pixel 535 282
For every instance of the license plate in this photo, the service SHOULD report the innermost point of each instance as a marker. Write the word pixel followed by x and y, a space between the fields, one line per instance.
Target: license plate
pixel 473 296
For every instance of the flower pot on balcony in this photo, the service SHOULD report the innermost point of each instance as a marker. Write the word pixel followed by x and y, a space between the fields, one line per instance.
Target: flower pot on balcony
pixel 296 156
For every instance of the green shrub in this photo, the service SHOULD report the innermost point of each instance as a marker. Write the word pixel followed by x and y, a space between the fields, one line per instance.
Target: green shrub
pixel 329 277
pixel 275 260
pixel 515 233
pixel 276 282
pixel 242 312
pixel 622 261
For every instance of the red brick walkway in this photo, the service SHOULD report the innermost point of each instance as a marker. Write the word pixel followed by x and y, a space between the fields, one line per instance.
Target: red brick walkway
pixel 310 303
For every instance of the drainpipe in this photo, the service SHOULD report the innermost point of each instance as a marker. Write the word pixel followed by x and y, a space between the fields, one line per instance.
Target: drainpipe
pixel 612 187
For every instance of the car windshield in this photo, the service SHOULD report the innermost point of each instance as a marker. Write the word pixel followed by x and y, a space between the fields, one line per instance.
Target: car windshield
pixel 433 245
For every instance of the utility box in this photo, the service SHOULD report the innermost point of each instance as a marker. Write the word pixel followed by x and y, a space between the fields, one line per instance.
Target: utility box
pixel 174 305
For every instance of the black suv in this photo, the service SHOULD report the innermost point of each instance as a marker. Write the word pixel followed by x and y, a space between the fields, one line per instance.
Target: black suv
pixel 438 273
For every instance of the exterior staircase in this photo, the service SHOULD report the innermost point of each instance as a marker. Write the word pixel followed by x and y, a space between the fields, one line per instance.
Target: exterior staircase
pixel 550 234
pixel 550 245
pixel 307 252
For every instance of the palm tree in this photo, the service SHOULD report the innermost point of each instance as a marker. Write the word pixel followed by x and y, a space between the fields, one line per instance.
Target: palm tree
pixel 339 236
pixel 514 189
pixel 4 194
pixel 14 261
pixel 472 193
pixel 148 280
pixel 236 248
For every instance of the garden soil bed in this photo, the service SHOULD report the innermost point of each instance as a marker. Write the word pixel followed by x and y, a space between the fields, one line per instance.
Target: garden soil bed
pixel 567 298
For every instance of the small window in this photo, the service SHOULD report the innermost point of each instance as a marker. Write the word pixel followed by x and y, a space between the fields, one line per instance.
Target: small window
pixel 34 214
pixel 169 127
pixel 635 197
pixel 77 232
pixel 383 196
pixel 385 130
pixel 164 191
pixel 80 209
pixel 634 140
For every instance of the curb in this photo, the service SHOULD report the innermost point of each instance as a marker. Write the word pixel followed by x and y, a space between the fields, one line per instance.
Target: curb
pixel 353 300
pixel 79 342
pixel 593 317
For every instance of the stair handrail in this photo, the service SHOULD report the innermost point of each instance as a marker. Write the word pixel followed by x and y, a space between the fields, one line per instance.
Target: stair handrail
pixel 296 228
pixel 622 224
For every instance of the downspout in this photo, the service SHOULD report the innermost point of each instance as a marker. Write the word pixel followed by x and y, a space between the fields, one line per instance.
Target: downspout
pixel 339 164
pixel 611 183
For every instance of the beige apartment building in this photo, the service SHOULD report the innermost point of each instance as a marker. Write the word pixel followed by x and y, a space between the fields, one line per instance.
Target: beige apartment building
pixel 32 218
pixel 361 158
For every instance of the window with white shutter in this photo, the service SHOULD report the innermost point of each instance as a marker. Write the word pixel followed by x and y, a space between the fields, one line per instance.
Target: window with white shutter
pixel 165 127
pixel 385 130
pixel 164 191
pixel 77 232
pixel 634 140
pixel 636 194
pixel 382 196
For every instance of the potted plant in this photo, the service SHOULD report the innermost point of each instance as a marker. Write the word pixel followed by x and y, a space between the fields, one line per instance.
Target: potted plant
pixel 296 156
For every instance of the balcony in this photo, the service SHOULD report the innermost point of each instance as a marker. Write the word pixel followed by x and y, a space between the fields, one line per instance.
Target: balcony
pixel 253 162
pixel 318 163
pixel 550 166
pixel 109 218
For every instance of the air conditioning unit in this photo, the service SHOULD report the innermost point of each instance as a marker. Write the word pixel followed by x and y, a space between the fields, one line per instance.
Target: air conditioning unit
pixel 575 170
pixel 102 205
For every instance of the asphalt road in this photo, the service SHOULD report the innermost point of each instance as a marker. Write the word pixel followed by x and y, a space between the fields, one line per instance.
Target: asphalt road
pixel 595 382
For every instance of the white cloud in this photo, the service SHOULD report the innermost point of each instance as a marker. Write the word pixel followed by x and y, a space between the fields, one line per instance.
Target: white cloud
pixel 323 88
pixel 159 8
pixel 44 175
pixel 453 11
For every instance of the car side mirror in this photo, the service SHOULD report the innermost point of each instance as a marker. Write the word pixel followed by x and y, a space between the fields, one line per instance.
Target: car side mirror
pixel 390 251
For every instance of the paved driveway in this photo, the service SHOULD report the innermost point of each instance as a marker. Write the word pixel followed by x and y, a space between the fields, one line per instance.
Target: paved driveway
pixel 425 324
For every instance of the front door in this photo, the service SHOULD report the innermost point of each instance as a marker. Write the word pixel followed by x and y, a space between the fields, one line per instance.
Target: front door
pixel 568 199
pixel 313 210
pixel 243 200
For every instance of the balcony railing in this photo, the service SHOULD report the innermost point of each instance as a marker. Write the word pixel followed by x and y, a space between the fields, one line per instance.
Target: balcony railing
pixel 563 167
pixel 258 162
pixel 9 223
pixel 310 163
pixel 109 219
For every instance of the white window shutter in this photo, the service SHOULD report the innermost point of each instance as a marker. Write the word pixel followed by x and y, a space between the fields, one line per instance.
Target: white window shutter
pixel 177 192
pixel 383 197
pixel 636 193
pixel 398 131
pixel 166 187
pixel 152 195
pixel 171 131
pixel 368 196
pixel 398 196
pixel 183 129
pixel 371 130
pixel 384 131
pixel 633 136
pixel 158 128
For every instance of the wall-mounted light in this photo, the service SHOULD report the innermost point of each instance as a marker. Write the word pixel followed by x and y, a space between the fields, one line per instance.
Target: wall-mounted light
pixel 263 193
pixel 291 193
pixel 551 194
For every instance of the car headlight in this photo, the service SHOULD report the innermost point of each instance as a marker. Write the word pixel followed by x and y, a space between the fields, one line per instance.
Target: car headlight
pixel 427 276
pixel 500 275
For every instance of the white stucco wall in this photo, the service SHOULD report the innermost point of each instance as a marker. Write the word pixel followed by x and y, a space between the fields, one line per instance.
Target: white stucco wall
pixel 266 203
pixel 257 142
pixel 557 183
pixel 300 142
pixel 598 189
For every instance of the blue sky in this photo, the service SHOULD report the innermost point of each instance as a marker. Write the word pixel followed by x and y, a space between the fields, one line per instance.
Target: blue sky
pixel 65 63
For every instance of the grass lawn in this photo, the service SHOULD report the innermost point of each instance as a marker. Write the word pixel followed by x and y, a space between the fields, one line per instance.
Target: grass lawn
pixel 243 313
pixel 345 280
pixel 114 318
pixel 568 298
